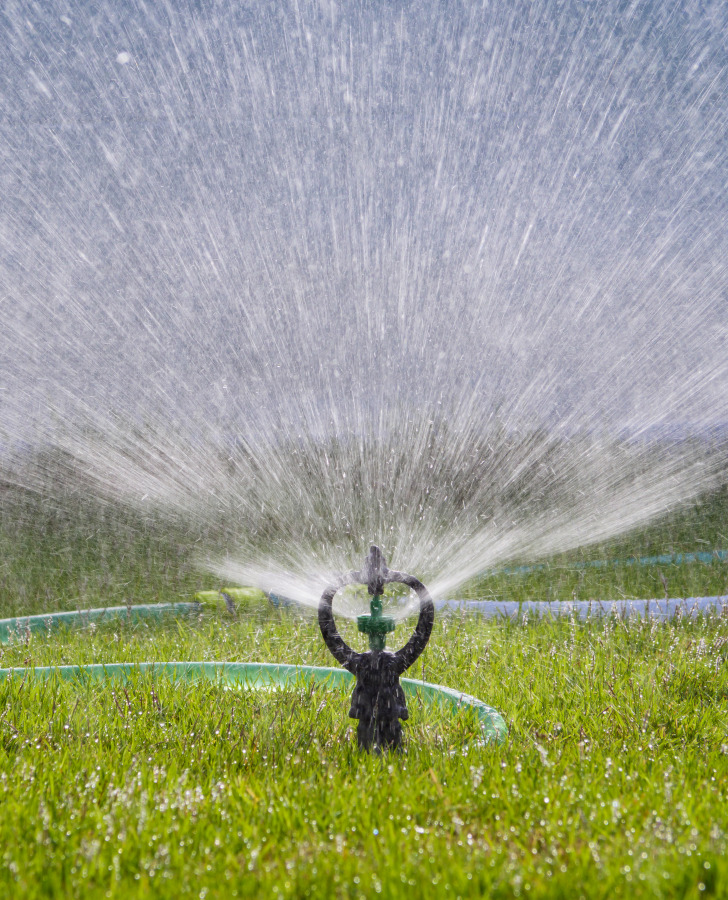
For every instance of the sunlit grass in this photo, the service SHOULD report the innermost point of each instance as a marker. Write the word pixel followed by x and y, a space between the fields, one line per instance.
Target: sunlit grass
pixel 613 779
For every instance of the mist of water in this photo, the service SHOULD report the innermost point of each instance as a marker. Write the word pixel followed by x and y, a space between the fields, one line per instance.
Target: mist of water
pixel 446 277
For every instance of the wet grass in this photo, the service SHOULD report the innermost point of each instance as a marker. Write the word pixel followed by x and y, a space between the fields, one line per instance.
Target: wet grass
pixel 76 553
pixel 699 528
pixel 561 580
pixel 612 782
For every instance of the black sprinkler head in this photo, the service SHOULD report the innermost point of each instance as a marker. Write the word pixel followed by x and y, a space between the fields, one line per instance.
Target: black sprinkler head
pixel 374 572
pixel 378 701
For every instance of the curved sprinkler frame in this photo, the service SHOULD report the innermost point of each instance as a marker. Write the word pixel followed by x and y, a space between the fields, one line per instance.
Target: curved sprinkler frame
pixel 266 676
pixel 378 701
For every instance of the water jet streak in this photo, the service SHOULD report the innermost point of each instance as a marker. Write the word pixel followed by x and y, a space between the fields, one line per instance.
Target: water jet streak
pixel 447 280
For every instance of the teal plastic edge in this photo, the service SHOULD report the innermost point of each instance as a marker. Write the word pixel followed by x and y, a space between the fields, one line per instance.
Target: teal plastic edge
pixel 252 676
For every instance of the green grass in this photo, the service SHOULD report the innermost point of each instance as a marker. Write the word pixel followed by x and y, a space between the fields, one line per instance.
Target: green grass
pixel 613 780
pixel 80 554
pixel 700 527
pixel 562 581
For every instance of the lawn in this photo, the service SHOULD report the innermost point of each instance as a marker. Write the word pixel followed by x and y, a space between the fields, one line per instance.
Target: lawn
pixel 612 781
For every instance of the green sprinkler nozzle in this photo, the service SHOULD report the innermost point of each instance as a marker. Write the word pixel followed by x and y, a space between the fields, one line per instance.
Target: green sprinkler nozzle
pixel 376 625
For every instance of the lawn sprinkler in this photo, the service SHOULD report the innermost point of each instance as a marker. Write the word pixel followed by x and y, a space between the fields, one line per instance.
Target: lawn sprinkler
pixel 378 701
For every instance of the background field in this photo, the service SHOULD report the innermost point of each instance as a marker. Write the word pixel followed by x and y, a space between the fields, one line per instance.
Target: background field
pixel 612 781
pixel 73 552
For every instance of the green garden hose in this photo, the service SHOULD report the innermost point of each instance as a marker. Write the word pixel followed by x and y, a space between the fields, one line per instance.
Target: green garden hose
pixel 44 623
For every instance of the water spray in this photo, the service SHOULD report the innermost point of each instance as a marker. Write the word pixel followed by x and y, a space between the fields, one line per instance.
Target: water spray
pixel 378 701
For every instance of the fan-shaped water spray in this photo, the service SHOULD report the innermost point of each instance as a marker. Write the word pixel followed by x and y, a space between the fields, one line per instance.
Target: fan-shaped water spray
pixel 446 277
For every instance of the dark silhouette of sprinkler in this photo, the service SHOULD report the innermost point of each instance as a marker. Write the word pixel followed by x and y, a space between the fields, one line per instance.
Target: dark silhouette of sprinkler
pixel 378 701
